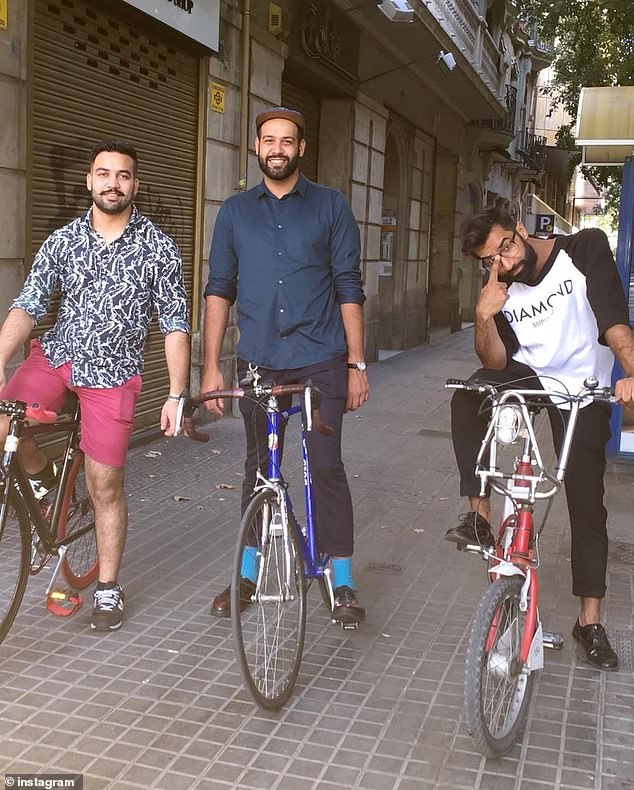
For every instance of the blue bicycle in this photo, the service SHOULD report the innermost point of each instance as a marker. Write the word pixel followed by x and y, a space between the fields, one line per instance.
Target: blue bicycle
pixel 276 559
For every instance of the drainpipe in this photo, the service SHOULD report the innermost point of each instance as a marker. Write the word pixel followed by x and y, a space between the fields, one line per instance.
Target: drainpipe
pixel 244 98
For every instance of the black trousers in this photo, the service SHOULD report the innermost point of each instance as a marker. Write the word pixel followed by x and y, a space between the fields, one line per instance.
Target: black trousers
pixel 333 503
pixel 584 474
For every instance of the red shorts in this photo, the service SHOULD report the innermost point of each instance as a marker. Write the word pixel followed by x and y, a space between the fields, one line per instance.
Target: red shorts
pixel 107 415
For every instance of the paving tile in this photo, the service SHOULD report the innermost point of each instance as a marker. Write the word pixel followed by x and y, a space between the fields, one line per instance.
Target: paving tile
pixel 160 705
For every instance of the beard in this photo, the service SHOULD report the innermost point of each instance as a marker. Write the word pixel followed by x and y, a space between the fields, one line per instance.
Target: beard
pixel 109 207
pixel 525 268
pixel 282 173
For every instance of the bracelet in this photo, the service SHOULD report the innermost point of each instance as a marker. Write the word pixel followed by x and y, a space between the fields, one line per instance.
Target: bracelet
pixel 173 397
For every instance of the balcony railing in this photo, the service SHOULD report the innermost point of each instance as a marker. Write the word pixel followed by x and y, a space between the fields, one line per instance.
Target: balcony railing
pixel 532 149
pixel 462 22
pixel 506 124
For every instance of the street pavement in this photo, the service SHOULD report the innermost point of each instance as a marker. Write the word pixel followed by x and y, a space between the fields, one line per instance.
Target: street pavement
pixel 160 703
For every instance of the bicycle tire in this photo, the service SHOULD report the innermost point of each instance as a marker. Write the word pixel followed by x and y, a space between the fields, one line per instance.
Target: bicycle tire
pixel 497 688
pixel 81 564
pixel 15 542
pixel 269 634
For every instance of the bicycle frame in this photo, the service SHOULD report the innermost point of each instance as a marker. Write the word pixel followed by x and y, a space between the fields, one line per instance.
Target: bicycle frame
pixel 521 491
pixel 13 474
pixel 307 535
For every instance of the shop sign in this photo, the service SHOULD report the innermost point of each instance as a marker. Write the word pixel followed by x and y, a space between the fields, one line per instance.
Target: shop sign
pixel 196 19
pixel 4 22
pixel 322 34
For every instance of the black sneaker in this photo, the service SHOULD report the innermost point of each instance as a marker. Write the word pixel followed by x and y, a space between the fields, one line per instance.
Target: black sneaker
pixel 473 529
pixel 347 609
pixel 107 613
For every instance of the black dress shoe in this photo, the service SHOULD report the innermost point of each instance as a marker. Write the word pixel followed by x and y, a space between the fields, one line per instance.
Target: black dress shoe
pixel 347 609
pixel 597 647
pixel 221 604
pixel 473 529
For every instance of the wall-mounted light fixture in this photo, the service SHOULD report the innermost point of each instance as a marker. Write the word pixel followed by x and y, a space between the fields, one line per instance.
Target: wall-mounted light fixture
pixel 446 61
pixel 397 10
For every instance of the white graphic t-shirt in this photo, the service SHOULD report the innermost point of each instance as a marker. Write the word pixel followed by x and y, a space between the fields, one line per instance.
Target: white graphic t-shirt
pixel 556 324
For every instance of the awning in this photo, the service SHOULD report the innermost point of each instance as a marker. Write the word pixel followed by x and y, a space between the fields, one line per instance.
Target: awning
pixel 605 124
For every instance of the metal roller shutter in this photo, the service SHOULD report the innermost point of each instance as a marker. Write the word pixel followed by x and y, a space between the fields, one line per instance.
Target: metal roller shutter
pixel 299 99
pixel 114 72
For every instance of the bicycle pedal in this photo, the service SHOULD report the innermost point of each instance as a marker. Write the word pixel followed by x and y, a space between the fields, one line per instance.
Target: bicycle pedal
pixel 553 641
pixel 349 625
pixel 63 603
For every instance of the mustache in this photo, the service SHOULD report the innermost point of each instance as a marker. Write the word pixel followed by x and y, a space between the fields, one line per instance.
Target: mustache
pixel 112 192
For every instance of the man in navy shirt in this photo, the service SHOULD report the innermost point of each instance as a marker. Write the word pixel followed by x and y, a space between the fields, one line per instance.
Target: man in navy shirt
pixel 287 252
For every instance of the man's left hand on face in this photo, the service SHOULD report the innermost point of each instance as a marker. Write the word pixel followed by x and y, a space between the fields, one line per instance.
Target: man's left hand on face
pixel 624 390
pixel 358 389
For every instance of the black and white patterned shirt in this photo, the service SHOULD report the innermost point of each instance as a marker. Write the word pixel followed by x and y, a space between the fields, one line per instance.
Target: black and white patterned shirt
pixel 108 295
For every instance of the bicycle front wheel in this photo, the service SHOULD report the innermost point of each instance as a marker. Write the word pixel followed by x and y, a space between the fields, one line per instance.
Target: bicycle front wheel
pixel 268 614
pixel 15 543
pixel 498 686
pixel 80 565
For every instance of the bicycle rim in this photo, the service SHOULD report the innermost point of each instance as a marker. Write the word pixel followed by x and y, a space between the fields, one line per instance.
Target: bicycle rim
pixel 497 686
pixel 269 631
pixel 14 562
pixel 80 565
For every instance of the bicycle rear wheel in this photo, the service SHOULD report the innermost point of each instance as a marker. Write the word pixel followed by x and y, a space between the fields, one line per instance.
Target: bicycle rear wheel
pixel 498 686
pixel 15 542
pixel 80 565
pixel 269 617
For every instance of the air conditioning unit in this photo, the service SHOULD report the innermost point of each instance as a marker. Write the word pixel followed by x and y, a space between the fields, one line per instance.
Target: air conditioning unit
pixel 397 10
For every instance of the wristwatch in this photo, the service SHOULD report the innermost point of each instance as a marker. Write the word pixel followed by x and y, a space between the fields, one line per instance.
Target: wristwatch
pixel 360 366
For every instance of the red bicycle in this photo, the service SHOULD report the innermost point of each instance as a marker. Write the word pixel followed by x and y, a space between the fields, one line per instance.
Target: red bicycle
pixel 506 643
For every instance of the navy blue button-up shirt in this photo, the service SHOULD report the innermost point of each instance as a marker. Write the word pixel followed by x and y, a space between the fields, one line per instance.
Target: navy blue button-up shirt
pixel 289 263
pixel 109 292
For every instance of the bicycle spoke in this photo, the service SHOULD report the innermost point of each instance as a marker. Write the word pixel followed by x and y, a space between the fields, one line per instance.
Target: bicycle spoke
pixel 497 685
pixel 269 632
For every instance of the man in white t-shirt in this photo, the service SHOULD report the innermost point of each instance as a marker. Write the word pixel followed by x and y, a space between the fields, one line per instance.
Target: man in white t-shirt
pixel 550 308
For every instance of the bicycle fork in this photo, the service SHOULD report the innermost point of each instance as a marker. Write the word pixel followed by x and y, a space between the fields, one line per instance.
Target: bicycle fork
pixel 275 533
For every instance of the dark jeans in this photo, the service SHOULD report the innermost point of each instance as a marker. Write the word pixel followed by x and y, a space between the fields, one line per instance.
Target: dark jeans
pixel 333 503
pixel 584 474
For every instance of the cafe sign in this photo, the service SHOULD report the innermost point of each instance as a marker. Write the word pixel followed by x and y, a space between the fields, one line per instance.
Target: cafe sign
pixel 196 19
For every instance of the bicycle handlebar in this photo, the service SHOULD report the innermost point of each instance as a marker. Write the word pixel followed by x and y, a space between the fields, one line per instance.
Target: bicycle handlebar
pixel 590 389
pixel 187 405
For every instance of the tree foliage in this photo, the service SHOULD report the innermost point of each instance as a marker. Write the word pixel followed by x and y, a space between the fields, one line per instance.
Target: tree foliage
pixel 593 42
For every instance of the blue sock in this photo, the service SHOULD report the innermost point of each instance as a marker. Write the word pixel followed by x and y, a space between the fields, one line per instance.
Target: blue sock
pixel 248 568
pixel 342 572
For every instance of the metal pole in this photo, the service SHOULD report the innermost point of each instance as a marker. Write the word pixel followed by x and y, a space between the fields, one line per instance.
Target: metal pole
pixel 624 260
pixel 244 96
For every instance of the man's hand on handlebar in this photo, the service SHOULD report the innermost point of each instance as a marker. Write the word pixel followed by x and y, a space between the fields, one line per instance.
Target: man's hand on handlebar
pixel 624 390
pixel 168 417
pixel 213 380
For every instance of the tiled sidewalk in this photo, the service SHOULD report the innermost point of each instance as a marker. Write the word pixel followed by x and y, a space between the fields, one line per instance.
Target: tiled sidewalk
pixel 160 703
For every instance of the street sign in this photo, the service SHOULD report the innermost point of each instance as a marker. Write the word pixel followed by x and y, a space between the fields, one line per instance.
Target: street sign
pixel 544 223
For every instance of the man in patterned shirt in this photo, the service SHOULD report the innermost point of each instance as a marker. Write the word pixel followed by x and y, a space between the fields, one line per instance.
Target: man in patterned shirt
pixel 113 268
